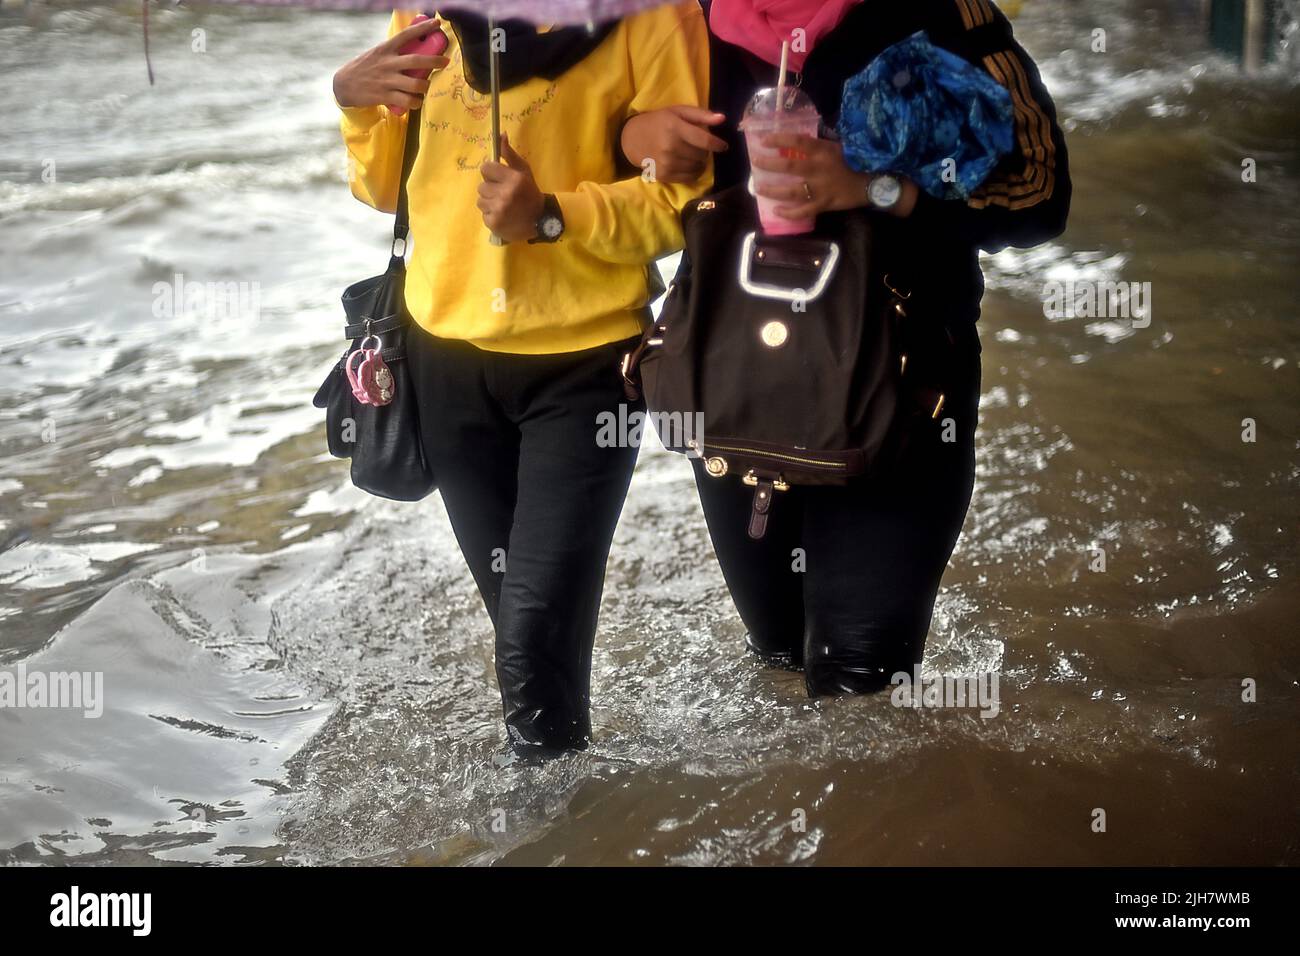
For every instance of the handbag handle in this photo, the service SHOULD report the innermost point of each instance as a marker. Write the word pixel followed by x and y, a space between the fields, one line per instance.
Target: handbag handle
pixel 824 263
pixel 410 147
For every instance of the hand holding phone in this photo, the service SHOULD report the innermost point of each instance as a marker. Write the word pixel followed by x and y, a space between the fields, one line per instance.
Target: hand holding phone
pixel 432 43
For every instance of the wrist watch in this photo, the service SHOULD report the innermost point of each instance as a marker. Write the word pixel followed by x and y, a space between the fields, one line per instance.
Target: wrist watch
pixel 884 191
pixel 550 224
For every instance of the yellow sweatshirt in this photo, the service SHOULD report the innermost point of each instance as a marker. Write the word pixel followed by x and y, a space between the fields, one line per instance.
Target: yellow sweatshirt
pixel 589 288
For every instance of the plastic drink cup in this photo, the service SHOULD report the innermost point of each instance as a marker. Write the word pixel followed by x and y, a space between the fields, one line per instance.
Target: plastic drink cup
pixel 763 116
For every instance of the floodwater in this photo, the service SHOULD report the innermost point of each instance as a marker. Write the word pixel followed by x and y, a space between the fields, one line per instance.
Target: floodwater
pixel 295 674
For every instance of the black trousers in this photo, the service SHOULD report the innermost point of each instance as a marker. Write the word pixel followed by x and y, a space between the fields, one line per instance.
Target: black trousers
pixel 533 501
pixel 844 582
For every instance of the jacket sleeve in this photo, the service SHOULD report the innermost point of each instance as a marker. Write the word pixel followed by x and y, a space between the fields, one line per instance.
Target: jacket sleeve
pixel 633 221
pixel 1026 199
pixel 374 138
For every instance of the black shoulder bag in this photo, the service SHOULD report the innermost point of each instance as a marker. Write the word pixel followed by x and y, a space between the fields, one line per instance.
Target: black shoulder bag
pixel 805 360
pixel 383 441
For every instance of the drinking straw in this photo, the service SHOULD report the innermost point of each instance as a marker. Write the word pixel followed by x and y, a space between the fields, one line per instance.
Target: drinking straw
pixel 780 80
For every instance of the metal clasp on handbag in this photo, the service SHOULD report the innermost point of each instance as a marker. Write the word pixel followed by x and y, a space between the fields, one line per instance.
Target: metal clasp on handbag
pixel 768 290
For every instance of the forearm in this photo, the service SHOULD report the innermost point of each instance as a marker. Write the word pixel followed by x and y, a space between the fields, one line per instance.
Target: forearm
pixel 628 222
pixel 637 219
pixel 373 137
pixel 994 227
pixel 1026 199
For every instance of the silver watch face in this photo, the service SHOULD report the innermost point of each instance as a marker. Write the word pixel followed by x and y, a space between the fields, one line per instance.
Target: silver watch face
pixel 552 227
pixel 884 191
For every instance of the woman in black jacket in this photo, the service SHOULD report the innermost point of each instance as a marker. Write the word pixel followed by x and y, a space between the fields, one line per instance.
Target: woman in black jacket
pixel 843 584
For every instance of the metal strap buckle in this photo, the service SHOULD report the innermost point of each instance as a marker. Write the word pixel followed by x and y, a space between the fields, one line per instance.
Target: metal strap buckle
pixel 749 478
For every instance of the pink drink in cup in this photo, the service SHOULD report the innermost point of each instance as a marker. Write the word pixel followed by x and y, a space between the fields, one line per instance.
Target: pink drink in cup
pixel 799 116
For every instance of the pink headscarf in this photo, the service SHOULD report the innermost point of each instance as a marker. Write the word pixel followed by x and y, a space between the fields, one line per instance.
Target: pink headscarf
pixel 760 26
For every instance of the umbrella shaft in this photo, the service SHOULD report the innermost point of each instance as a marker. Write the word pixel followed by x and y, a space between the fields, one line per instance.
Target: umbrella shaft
pixel 494 82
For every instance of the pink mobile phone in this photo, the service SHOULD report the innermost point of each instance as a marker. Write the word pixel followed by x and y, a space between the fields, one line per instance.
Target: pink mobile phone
pixel 431 45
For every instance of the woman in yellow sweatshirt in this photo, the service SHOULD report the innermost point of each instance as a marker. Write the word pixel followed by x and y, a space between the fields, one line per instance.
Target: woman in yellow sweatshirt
pixel 516 357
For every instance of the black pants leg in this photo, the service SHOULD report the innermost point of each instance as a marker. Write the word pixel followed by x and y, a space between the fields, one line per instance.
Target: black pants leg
pixel 857 607
pixel 764 577
pixel 533 500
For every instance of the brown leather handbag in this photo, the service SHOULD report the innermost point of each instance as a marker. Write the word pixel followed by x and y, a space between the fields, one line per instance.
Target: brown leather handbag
pixel 798 356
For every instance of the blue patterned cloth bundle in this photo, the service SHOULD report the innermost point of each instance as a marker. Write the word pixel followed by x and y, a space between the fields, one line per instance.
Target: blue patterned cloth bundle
pixel 922 112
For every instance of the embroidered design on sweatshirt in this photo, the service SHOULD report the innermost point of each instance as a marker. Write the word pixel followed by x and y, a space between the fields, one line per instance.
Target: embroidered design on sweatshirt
pixel 470 110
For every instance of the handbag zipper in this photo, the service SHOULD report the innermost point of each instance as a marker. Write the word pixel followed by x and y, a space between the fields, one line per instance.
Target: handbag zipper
pixel 819 462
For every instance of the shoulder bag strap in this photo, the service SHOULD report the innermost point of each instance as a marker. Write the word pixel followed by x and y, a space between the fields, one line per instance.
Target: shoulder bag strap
pixel 410 147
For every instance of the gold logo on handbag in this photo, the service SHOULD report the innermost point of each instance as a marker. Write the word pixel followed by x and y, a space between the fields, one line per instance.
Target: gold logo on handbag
pixel 774 334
